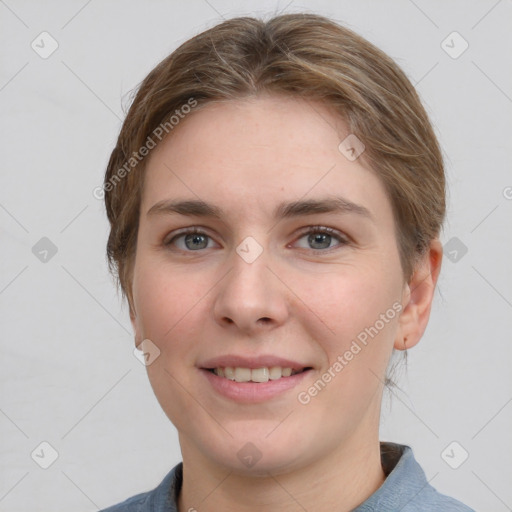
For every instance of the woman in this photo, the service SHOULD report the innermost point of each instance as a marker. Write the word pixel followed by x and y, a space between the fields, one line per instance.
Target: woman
pixel 275 198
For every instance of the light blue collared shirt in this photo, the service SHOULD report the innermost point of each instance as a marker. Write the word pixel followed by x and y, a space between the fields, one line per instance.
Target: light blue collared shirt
pixel 405 489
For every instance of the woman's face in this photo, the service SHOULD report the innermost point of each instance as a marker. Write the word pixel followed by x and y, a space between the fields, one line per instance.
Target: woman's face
pixel 260 287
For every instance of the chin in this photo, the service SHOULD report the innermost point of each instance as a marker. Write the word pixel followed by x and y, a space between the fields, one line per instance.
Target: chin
pixel 255 455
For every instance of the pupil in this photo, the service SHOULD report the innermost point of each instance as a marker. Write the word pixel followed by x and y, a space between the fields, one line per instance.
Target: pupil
pixel 320 238
pixel 196 240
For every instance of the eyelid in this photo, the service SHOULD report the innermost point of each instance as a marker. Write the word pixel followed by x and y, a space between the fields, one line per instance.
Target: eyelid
pixel 324 229
pixel 342 238
pixel 191 230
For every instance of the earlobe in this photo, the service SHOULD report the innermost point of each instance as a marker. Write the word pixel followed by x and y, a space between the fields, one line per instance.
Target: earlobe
pixel 418 297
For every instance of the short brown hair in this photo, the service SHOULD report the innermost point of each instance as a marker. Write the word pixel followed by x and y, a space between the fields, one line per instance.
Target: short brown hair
pixel 301 55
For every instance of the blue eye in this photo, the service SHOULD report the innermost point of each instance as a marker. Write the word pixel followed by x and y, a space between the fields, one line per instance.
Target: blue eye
pixel 194 240
pixel 319 238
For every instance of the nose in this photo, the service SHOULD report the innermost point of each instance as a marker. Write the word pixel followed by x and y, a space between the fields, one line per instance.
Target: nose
pixel 251 298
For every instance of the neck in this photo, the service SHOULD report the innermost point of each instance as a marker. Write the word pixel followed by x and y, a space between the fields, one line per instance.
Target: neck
pixel 340 481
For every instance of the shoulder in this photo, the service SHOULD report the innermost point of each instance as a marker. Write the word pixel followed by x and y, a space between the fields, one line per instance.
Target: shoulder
pixel 161 499
pixel 406 487
pixel 136 503
pixel 429 499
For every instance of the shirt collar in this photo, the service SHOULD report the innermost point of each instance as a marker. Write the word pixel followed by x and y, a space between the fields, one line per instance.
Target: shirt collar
pixel 404 480
pixel 397 460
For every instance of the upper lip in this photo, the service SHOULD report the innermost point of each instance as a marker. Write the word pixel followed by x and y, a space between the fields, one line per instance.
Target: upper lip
pixel 263 361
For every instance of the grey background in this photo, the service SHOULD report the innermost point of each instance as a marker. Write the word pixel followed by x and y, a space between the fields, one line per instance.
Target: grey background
pixel 67 370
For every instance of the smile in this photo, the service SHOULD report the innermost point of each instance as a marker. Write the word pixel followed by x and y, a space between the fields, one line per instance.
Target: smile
pixel 264 374
pixel 263 388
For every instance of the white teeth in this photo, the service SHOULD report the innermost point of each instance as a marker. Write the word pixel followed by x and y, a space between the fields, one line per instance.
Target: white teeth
pixel 259 375
pixel 242 374
pixel 275 373
pixel 239 374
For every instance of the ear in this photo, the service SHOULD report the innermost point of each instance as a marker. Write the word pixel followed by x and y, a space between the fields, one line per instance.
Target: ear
pixel 418 296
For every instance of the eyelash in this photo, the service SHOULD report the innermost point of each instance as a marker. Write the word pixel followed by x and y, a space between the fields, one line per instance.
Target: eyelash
pixel 307 231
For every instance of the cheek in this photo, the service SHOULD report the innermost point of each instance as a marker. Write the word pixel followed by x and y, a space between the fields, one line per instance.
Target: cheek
pixel 169 313
pixel 165 301
pixel 358 312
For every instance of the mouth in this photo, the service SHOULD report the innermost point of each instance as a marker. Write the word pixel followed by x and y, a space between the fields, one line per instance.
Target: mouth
pixel 258 375
pixel 249 380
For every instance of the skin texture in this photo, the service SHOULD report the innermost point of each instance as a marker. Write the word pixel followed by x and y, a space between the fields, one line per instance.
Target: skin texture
pixel 297 300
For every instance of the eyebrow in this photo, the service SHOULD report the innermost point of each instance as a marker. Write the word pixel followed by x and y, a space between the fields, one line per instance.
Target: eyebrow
pixel 292 209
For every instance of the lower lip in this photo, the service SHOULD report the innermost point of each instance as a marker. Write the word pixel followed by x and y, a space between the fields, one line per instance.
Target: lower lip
pixel 253 392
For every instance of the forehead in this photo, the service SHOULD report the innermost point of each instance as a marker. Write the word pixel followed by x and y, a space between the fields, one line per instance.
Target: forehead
pixel 250 154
